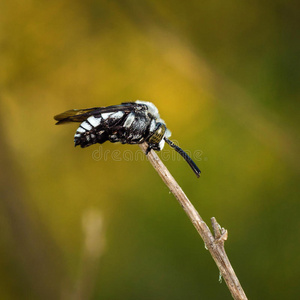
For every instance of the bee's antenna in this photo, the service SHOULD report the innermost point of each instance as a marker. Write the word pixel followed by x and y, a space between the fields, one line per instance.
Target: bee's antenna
pixel 185 156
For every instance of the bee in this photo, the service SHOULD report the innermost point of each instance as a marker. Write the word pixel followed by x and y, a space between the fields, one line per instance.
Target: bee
pixel 128 123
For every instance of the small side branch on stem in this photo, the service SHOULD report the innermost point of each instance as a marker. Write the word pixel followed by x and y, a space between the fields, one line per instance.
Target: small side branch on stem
pixel 221 234
pixel 214 243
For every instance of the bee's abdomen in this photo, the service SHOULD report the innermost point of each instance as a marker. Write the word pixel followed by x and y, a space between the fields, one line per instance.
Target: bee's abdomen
pixel 89 132
pixel 126 128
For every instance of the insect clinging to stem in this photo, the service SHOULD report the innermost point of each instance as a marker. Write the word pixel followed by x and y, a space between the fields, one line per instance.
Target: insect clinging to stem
pixel 127 123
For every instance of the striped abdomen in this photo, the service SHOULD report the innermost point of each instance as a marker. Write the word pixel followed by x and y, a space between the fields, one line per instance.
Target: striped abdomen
pixel 127 128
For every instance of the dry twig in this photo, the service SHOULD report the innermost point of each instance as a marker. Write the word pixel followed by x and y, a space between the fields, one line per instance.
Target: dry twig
pixel 214 243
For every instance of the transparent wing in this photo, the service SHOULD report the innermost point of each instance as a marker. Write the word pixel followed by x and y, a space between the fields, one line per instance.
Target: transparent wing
pixel 74 115
pixel 80 115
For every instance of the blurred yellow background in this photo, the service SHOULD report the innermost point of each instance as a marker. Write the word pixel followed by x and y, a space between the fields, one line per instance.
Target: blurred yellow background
pixel 225 78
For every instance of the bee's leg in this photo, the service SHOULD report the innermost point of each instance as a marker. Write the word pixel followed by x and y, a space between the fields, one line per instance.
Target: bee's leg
pixel 149 148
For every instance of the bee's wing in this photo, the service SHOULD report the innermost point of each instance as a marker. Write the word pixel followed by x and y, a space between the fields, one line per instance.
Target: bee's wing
pixel 80 115
pixel 74 115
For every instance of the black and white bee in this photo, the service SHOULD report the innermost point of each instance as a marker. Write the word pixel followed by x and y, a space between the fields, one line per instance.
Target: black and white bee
pixel 127 123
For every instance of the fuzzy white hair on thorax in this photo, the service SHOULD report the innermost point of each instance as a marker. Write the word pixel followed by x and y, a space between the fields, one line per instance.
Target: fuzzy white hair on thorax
pixel 151 107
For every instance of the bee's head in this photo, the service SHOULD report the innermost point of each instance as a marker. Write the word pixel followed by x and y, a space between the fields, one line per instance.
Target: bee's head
pixel 156 140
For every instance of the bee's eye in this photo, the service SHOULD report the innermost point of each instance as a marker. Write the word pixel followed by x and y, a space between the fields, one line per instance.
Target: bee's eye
pixel 158 134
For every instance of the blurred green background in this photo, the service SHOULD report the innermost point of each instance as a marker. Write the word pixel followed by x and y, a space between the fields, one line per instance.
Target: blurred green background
pixel 225 77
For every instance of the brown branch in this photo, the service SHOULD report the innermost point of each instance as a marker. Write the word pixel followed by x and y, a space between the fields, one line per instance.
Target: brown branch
pixel 214 243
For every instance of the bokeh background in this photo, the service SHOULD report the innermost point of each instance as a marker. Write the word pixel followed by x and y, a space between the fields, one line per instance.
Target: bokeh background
pixel 225 77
